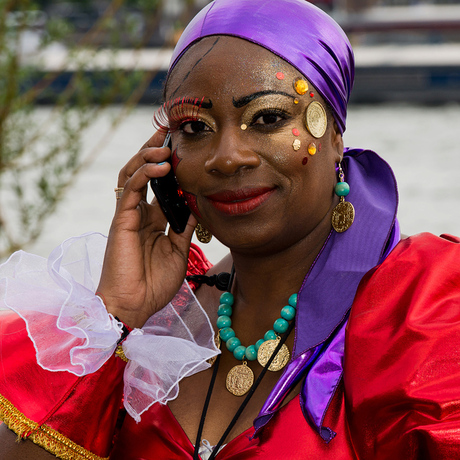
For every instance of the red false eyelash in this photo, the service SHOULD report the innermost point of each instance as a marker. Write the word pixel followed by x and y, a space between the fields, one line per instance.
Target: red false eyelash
pixel 173 113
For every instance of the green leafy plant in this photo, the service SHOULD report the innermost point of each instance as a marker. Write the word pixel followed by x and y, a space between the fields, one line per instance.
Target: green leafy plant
pixel 40 156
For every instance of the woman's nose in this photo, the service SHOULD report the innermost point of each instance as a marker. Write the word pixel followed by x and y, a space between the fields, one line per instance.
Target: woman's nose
pixel 230 154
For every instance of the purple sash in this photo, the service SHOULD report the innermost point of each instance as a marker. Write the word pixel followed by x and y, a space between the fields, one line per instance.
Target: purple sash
pixel 329 288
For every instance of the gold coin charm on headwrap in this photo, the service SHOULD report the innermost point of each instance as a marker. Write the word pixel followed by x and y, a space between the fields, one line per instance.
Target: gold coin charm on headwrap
pixel 267 349
pixel 239 379
pixel 203 234
pixel 316 119
pixel 343 214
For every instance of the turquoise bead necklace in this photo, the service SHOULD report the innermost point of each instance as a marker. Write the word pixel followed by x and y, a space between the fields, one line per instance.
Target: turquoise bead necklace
pixel 240 378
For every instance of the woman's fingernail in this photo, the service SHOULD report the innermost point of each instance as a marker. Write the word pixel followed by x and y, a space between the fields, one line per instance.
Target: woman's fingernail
pixel 162 163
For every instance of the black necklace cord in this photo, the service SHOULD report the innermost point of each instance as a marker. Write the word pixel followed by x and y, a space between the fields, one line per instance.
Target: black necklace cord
pixel 227 287
pixel 220 280
pixel 205 409
pixel 250 393
pixel 230 280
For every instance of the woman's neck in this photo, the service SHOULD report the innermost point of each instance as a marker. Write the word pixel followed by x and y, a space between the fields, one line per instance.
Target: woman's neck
pixel 277 274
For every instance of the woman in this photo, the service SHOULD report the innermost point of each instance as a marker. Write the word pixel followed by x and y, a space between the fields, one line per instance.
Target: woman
pixel 257 97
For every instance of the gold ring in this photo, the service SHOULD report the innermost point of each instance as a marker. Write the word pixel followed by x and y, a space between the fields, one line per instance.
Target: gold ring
pixel 118 192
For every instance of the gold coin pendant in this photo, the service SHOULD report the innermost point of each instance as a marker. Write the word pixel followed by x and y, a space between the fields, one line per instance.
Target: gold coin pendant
pixel 343 216
pixel 240 379
pixel 267 349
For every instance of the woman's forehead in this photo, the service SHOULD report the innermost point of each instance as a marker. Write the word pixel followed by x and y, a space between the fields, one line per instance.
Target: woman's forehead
pixel 296 30
pixel 228 64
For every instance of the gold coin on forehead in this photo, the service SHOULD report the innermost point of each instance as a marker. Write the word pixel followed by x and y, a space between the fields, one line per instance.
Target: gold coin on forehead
pixel 267 349
pixel 239 379
pixel 316 119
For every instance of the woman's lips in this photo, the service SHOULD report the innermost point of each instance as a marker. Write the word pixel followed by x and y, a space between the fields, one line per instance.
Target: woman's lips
pixel 240 201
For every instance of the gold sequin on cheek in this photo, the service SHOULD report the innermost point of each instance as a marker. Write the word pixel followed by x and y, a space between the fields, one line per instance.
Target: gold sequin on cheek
pixel 300 86
pixel 312 148
pixel 244 127
pixel 296 145
pixel 296 101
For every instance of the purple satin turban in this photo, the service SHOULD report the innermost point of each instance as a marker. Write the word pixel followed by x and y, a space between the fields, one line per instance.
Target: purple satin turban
pixel 295 30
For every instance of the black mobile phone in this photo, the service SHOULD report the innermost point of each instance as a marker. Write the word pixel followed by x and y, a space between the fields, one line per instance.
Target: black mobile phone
pixel 171 200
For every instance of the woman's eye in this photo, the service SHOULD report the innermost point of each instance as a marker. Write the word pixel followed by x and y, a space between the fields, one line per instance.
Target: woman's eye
pixel 194 127
pixel 269 118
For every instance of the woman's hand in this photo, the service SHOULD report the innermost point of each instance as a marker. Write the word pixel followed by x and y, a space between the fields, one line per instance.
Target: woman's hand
pixel 143 267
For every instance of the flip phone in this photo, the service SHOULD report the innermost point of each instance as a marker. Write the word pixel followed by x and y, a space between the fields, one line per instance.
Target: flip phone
pixel 170 197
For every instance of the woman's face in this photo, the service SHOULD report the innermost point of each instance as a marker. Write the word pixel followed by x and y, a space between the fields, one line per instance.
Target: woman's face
pixel 236 161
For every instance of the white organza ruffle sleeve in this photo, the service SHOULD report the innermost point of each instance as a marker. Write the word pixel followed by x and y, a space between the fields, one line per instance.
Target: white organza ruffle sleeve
pixel 72 331
pixel 174 343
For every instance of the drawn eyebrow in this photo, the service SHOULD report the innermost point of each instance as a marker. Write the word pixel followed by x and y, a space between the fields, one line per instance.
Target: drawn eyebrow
pixel 196 63
pixel 242 101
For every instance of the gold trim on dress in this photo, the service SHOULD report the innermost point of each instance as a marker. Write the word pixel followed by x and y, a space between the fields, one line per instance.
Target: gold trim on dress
pixel 121 353
pixel 44 436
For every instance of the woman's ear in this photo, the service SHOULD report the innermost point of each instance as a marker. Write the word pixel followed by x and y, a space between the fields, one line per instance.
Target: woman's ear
pixel 337 142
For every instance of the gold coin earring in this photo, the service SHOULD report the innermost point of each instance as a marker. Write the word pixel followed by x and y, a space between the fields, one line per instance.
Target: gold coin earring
pixel 343 214
pixel 203 235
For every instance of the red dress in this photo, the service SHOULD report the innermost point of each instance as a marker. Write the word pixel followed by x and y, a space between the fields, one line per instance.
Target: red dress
pixel 399 398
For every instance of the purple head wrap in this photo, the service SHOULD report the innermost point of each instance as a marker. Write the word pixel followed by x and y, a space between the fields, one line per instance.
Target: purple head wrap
pixel 297 31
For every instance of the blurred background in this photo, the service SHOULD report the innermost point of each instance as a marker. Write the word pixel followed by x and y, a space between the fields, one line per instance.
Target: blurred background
pixel 80 81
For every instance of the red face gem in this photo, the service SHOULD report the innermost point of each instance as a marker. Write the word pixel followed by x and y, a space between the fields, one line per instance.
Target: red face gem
pixel 280 75
pixel 296 132
pixel 191 201
pixel 312 95
pixel 305 161
pixel 319 147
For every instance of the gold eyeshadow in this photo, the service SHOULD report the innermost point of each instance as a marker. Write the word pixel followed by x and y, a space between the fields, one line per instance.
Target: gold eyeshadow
pixel 274 102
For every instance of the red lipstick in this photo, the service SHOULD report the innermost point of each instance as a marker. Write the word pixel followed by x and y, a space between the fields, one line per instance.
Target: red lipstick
pixel 240 201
